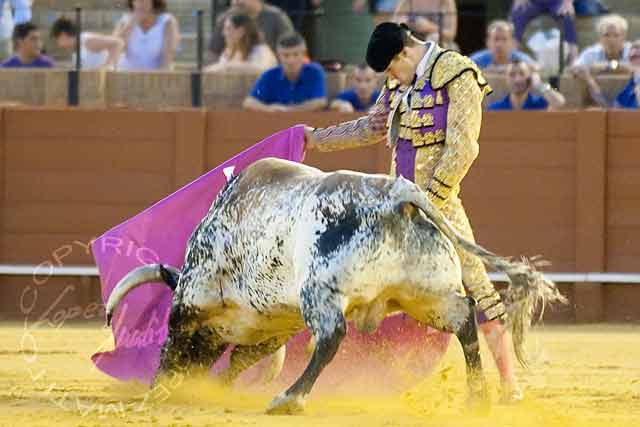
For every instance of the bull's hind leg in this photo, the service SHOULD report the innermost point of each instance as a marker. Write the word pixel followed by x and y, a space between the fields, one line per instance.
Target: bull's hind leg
pixel 190 346
pixel 323 315
pixel 461 320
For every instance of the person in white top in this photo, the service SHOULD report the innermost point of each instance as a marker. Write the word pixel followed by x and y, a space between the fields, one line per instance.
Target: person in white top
pixel 244 48
pixel 97 51
pixel 151 36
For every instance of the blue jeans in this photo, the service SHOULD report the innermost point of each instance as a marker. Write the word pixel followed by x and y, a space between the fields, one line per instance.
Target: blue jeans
pixel 525 14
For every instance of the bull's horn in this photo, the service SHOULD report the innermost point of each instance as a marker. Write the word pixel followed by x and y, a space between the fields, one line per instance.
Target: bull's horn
pixel 147 273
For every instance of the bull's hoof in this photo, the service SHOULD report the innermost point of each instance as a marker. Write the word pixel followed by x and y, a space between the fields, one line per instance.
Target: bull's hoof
pixel 511 395
pixel 286 405
pixel 478 402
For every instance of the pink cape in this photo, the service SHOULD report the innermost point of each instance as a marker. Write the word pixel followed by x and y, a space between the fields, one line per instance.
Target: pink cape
pixel 160 234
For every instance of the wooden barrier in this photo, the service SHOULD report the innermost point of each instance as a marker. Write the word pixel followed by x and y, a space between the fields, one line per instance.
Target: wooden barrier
pixel 220 91
pixel 159 89
pixel 563 185
pixel 577 95
pixel 150 90
pixel 498 83
pixel 35 87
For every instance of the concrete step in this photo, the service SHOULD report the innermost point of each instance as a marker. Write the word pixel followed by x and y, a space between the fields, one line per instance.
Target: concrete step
pixel 586 27
pixel 104 21
pixel 186 51
pixel 69 5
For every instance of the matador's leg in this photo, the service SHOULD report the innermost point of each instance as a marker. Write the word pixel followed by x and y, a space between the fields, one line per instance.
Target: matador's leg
pixel 492 311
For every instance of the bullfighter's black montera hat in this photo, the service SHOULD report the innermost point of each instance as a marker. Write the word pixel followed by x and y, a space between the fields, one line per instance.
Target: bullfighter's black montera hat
pixel 387 40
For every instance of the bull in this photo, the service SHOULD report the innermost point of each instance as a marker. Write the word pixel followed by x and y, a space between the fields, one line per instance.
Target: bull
pixel 286 247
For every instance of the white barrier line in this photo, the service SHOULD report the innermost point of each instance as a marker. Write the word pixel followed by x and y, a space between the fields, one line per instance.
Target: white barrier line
pixel 48 270
pixel 629 278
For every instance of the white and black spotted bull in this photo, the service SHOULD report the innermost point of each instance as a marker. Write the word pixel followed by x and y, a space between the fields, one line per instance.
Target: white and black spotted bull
pixel 286 247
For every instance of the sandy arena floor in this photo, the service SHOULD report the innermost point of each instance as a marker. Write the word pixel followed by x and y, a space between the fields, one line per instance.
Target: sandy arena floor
pixel 581 376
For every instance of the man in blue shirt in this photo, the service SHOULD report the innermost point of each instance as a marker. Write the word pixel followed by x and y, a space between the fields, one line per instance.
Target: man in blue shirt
pixel 362 96
pixel 501 49
pixel 521 81
pixel 630 95
pixel 294 85
pixel 28 44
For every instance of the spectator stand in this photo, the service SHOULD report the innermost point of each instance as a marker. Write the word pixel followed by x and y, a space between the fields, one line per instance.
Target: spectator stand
pixel 187 86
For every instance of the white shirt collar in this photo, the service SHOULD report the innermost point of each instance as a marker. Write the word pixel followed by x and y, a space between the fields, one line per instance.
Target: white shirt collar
pixel 422 66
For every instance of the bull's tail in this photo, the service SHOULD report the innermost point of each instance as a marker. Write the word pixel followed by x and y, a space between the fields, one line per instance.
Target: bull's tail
pixel 144 274
pixel 528 287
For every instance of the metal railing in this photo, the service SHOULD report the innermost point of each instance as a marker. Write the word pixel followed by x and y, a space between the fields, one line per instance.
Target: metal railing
pixel 73 95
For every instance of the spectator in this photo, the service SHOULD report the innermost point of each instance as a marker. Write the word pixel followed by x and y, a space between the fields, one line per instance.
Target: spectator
pixel 612 52
pixel 422 17
pixel 151 36
pixel 629 97
pixel 375 6
pixel 610 55
pixel 382 10
pixel 12 12
pixel 362 96
pixel 522 79
pixel 96 50
pixel 297 9
pixel 292 86
pixel 501 49
pixel 244 49
pixel 27 42
pixel 525 11
pixel 272 23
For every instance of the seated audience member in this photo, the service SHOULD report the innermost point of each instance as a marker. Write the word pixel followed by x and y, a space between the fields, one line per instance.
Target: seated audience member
pixel 630 95
pixel 294 85
pixel 96 50
pixel 151 36
pixel 244 49
pixel 12 12
pixel 422 17
pixel 501 49
pixel 362 96
pixel 297 9
pixel 522 80
pixel 27 42
pixel 612 52
pixel 610 55
pixel 272 23
pixel 563 11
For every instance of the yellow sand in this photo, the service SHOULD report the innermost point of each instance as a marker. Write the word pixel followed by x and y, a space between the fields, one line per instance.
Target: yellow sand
pixel 581 376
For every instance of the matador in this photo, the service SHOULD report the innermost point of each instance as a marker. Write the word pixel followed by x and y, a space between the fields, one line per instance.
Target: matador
pixel 430 112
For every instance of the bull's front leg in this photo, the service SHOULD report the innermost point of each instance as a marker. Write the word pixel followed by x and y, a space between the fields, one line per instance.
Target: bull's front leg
pixel 323 315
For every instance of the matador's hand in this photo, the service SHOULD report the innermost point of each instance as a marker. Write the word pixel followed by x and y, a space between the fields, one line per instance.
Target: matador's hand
pixel 378 118
pixel 309 139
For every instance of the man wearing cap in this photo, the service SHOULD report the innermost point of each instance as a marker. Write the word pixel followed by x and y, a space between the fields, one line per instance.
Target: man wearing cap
pixel 430 112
